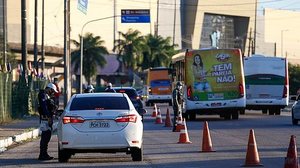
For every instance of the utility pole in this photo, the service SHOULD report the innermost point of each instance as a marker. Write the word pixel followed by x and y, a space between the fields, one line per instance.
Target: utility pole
pixel 67 85
pixel 275 50
pixel 42 46
pixel 24 39
pixel 4 32
pixel 157 16
pixel 254 36
pixel 174 23
pixel 35 47
pixel 250 39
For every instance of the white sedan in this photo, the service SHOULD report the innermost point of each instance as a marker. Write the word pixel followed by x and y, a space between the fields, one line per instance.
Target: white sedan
pixel 100 122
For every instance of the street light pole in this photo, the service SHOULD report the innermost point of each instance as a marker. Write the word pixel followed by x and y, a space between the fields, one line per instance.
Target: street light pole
pixel 81 45
pixel 282 41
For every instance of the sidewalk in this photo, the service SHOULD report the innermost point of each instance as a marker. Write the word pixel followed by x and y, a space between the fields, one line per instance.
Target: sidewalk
pixel 18 130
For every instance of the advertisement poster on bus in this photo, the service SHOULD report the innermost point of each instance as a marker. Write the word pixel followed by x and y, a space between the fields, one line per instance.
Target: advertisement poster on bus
pixel 214 74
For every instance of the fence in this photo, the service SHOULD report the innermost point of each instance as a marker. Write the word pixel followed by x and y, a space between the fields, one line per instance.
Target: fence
pixel 19 98
pixel 5 96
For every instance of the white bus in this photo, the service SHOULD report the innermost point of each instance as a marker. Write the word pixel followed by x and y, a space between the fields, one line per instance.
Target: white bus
pixel 213 82
pixel 267 86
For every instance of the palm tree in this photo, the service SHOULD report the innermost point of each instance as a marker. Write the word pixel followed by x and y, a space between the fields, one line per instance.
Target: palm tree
pixel 129 48
pixel 157 51
pixel 93 55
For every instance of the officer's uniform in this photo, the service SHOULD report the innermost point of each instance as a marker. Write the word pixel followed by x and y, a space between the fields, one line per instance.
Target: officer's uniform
pixel 47 108
pixel 177 97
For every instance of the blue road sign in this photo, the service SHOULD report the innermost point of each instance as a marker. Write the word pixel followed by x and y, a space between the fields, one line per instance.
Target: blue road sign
pixel 135 16
pixel 82 5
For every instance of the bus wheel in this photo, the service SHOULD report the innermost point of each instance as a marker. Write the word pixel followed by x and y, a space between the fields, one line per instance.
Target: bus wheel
pixel 235 115
pixel 265 111
pixel 277 111
pixel 192 116
pixel 227 116
pixel 242 111
pixel 147 103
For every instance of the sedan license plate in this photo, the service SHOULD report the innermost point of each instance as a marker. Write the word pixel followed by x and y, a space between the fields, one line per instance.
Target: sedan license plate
pixel 99 124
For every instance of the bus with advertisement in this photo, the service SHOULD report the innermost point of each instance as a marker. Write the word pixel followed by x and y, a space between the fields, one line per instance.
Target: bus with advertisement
pixel 158 88
pixel 213 82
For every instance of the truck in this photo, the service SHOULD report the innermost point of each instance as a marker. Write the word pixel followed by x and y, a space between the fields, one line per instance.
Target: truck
pixel 158 87
pixel 213 82
pixel 267 86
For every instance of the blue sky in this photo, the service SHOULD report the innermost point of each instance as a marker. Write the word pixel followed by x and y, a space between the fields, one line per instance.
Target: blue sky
pixel 293 5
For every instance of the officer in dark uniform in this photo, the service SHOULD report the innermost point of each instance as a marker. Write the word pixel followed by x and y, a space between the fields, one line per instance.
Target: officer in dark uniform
pixel 89 89
pixel 177 99
pixel 47 109
pixel 109 88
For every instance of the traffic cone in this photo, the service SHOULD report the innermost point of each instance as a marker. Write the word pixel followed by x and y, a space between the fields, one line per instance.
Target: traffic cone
pixel 206 140
pixel 158 119
pixel 291 160
pixel 154 113
pixel 180 124
pixel 252 157
pixel 168 121
pixel 184 137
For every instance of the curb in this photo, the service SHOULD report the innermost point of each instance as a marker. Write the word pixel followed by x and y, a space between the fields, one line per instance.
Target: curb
pixel 4 143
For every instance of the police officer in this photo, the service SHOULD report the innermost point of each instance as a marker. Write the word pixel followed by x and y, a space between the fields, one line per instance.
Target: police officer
pixel 109 88
pixel 89 89
pixel 47 109
pixel 177 99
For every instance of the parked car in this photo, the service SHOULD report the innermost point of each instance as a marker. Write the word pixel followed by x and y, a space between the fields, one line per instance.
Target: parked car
pixel 100 122
pixel 133 96
pixel 295 110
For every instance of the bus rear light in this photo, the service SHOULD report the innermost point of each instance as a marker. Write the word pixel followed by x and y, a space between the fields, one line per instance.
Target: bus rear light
pixel 189 92
pixel 284 94
pixel 127 118
pixel 72 120
pixel 241 90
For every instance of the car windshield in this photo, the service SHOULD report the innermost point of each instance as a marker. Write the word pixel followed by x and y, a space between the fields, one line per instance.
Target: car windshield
pixel 99 103
pixel 130 92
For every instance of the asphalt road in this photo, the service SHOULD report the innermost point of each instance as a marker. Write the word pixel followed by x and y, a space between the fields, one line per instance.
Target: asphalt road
pixel 229 139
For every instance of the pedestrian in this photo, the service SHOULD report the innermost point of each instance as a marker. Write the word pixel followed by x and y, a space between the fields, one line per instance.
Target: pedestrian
pixel 109 88
pixel 47 109
pixel 177 99
pixel 89 89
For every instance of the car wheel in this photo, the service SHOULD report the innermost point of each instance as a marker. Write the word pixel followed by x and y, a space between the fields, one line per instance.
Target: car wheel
pixel 63 155
pixel 137 154
pixel 295 121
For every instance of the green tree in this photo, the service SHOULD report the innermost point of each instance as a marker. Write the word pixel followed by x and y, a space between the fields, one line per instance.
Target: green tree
pixel 93 55
pixel 157 51
pixel 294 80
pixel 129 48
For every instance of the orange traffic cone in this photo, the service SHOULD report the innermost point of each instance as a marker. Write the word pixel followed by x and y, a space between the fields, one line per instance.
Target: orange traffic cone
pixel 252 157
pixel 180 124
pixel 291 160
pixel 158 119
pixel 206 140
pixel 154 113
pixel 184 137
pixel 168 121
